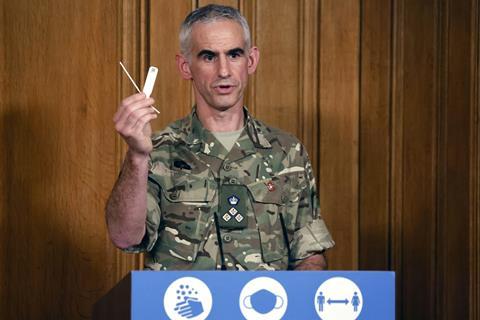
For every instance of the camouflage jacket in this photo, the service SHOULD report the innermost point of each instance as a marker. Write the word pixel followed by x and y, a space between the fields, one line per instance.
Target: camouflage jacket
pixel 266 177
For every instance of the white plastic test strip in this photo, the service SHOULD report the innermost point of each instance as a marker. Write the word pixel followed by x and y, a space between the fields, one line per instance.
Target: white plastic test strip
pixel 150 81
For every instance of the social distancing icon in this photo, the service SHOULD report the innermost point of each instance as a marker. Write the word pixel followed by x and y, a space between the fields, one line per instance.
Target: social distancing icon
pixel 338 298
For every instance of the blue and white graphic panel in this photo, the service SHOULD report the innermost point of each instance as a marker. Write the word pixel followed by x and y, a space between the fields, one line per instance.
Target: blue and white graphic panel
pixel 325 295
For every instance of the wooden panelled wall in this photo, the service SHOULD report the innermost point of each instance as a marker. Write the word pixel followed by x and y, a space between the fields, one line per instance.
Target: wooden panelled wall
pixel 383 93
pixel 59 87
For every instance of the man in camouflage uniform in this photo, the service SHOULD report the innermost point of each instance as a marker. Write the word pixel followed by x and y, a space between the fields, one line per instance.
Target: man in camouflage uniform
pixel 217 189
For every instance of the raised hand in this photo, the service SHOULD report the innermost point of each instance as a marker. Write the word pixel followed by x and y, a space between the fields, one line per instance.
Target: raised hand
pixel 132 122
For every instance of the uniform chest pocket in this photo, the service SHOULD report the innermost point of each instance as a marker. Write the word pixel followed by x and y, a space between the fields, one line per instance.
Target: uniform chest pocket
pixel 185 187
pixel 274 202
pixel 186 201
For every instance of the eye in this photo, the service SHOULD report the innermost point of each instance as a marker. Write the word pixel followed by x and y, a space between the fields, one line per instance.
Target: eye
pixel 208 57
pixel 235 54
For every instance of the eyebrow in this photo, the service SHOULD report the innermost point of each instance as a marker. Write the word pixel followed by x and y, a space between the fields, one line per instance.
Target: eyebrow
pixel 236 51
pixel 204 52
pixel 210 52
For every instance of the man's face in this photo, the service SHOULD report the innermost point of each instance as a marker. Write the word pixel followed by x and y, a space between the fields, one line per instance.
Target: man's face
pixel 219 64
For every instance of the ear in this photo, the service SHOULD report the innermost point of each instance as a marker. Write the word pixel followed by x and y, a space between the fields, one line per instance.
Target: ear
pixel 253 57
pixel 183 67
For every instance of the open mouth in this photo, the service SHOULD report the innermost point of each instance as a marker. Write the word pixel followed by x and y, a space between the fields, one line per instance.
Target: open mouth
pixel 224 89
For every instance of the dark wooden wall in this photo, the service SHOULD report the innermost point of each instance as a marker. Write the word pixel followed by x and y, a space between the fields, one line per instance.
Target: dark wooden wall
pixel 60 85
pixel 383 93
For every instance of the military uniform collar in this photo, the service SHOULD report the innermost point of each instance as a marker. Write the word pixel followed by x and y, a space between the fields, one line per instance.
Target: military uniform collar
pixel 195 133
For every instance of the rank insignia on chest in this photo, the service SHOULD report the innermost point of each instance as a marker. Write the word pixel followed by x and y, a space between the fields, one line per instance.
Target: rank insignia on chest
pixel 233 207
pixel 233 200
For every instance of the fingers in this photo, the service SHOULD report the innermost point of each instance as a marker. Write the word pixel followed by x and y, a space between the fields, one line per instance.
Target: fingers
pixel 126 102
pixel 133 98
pixel 134 121
pixel 131 104
pixel 132 118
pixel 143 120
pixel 131 109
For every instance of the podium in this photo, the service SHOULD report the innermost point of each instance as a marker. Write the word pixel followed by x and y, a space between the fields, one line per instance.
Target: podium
pixel 198 295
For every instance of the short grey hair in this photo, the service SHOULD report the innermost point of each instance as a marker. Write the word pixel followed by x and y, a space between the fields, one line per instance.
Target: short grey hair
pixel 206 14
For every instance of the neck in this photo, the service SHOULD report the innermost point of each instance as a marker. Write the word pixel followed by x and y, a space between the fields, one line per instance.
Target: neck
pixel 215 120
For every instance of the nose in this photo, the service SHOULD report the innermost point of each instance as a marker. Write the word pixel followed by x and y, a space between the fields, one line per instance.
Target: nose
pixel 223 67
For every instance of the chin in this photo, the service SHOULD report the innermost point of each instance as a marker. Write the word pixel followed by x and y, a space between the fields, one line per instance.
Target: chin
pixel 223 103
pixel 223 107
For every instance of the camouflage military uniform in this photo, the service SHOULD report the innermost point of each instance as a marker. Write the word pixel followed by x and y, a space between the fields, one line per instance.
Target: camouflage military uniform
pixel 267 179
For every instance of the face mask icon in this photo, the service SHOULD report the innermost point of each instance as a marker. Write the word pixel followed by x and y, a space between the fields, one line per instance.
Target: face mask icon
pixel 263 301
pixel 263 298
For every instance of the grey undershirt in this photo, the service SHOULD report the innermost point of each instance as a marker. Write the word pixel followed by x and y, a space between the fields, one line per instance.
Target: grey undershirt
pixel 227 138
